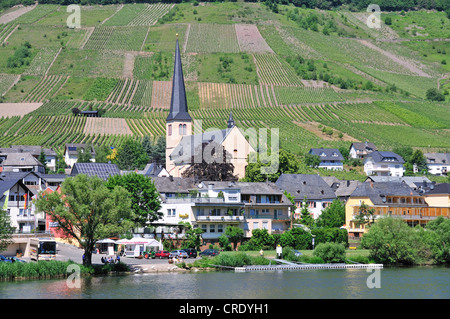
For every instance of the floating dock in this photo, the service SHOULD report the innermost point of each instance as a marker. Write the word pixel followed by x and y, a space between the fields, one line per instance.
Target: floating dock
pixel 295 266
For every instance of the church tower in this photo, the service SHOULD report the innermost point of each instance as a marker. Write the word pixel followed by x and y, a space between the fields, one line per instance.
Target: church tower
pixel 179 122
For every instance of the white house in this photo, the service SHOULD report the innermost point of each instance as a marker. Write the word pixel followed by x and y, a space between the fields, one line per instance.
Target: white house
pixel 361 150
pixel 438 163
pixel 330 158
pixel 307 188
pixel 384 164
pixel 71 153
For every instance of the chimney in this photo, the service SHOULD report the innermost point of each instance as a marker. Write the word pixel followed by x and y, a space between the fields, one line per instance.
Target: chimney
pixel 371 184
pixel 171 178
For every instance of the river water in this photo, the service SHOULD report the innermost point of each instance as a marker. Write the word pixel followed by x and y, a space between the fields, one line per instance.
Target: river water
pixel 393 283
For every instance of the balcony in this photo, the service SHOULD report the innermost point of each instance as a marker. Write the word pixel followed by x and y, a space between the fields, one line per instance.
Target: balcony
pixel 220 218
pixel 25 218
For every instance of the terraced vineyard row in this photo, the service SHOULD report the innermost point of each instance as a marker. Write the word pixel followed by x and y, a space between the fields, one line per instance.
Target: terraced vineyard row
pixel 117 38
pixel 209 38
pixel 220 95
pixel 5 30
pixel 272 71
pixel 46 88
pixel 151 14
pixel 42 61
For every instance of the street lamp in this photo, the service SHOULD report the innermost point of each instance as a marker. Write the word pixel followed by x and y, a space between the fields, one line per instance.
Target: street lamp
pixel 313 240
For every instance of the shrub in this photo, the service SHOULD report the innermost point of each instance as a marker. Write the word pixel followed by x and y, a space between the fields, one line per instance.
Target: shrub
pixel 330 252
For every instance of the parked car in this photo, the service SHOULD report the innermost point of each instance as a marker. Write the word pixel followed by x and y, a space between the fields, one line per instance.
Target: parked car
pixel 4 259
pixel 297 253
pixel 15 259
pixel 209 252
pixel 192 252
pixel 162 254
pixel 177 253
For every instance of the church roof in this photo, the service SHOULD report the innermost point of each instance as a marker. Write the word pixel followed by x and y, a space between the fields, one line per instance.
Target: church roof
pixel 178 103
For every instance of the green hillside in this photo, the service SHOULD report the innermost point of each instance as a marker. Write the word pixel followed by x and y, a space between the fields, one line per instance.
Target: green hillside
pixel 298 70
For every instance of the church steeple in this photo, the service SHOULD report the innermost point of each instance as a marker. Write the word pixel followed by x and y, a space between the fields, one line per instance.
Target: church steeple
pixel 230 120
pixel 178 103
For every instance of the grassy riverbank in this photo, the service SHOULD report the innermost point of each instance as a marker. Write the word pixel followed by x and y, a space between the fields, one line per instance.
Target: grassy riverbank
pixel 53 269
pixel 247 258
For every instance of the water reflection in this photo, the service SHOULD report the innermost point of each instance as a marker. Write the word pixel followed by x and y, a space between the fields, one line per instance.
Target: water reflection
pixel 414 282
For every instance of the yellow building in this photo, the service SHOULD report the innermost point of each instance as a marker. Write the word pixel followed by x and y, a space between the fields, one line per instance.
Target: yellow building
pixel 439 196
pixel 391 199
pixel 181 144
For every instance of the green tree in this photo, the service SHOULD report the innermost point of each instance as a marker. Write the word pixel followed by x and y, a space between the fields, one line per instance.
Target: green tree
pixel 6 230
pixel 261 239
pixel 330 252
pixel 87 211
pixel 312 160
pixel 418 158
pixel 287 163
pixel 365 215
pixel 305 215
pixel 145 201
pixel 434 95
pixel 438 237
pixel 84 154
pixel 101 153
pixel 235 234
pixel 391 241
pixel 43 161
pixel 193 236
pixel 131 155
pixel 333 215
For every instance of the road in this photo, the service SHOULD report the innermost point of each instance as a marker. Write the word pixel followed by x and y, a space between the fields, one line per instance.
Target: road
pixel 69 252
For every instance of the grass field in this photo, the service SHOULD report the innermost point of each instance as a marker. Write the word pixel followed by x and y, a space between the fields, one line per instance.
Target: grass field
pixel 236 55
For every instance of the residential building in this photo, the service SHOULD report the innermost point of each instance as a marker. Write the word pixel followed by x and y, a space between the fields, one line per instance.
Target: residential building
pixel 71 153
pixel 439 195
pixel 420 184
pixel 35 151
pixel 181 144
pixel 212 206
pixel 330 158
pixel 309 188
pixel 395 199
pixel 438 163
pixel 16 200
pixel 342 188
pixel 22 162
pixel 384 164
pixel 361 150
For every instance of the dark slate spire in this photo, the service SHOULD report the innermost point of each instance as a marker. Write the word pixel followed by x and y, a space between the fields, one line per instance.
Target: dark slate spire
pixel 178 103
pixel 230 120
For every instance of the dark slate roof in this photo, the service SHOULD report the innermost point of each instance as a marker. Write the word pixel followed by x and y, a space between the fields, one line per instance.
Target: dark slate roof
pixel 21 159
pixel 178 103
pixel 173 184
pixel 388 157
pixel 102 170
pixel 301 185
pixel 440 189
pixel 184 151
pixel 366 146
pixel 330 154
pixel 72 149
pixel 437 158
pixel 376 191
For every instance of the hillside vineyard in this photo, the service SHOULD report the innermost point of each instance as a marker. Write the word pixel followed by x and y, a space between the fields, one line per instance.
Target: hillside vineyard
pixel 277 66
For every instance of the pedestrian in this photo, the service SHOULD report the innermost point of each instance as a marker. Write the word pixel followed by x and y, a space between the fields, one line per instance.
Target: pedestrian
pixel 118 259
pixel 261 252
pixel 84 258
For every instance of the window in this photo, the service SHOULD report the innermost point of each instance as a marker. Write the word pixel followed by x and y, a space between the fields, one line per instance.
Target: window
pixel 265 211
pixel 212 228
pixel 220 228
pixel 204 229
pixel 182 129
pixel 265 225
pixel 255 225
pixel 171 212
pixel 170 130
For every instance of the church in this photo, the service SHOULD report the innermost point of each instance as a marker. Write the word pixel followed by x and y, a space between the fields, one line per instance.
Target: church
pixel 181 143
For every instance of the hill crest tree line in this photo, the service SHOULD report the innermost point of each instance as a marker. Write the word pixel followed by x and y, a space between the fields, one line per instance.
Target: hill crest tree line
pixel 356 5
